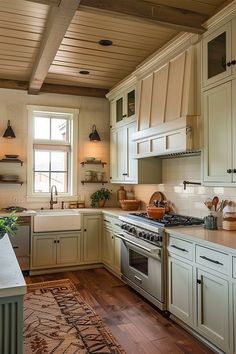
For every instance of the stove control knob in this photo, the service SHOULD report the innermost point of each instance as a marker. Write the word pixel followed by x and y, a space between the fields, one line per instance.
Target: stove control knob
pixel 132 230
pixel 151 238
pixel 123 226
pixel 141 233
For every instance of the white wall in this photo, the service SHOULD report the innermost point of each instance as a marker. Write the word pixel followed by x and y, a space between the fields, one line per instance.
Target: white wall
pixel 13 106
pixel 191 200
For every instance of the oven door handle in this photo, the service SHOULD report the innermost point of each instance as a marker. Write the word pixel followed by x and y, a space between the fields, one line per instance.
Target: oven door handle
pixel 133 243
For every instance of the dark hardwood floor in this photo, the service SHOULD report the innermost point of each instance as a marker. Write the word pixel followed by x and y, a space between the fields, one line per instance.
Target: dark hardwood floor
pixel 137 325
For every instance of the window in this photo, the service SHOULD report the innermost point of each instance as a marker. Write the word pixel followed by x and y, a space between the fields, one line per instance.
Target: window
pixel 52 150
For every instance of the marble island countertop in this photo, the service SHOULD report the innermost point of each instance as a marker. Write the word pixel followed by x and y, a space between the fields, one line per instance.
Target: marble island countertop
pixel 217 238
pixel 12 282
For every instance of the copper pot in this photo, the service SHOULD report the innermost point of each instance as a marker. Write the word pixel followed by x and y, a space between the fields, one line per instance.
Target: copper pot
pixel 155 212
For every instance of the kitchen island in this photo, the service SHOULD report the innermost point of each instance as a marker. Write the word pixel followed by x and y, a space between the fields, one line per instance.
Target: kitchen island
pixel 12 290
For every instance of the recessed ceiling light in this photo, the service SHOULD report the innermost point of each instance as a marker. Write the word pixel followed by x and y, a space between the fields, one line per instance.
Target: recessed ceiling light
pixel 84 72
pixel 105 42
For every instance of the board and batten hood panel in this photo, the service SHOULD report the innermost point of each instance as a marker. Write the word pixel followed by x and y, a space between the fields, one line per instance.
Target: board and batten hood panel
pixel 167 108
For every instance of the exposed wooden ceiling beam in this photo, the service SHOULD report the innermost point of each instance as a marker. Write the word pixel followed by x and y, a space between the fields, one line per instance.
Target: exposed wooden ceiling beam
pixel 176 18
pixel 58 21
pixel 52 88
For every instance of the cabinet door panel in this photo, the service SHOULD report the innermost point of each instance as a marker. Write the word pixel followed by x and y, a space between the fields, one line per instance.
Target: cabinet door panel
pixel 92 238
pixel 234 125
pixel 131 165
pixel 233 45
pixel 175 87
pixel 216 53
pixel 108 247
pixel 217 134
pixel 145 102
pixel 213 308
pixel 159 96
pixel 68 249
pixel 44 251
pixel 181 290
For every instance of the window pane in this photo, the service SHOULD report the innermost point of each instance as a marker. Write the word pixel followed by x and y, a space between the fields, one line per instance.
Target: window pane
pixel 58 161
pixel 58 129
pixel 60 181
pixel 41 160
pixel 41 128
pixel 41 182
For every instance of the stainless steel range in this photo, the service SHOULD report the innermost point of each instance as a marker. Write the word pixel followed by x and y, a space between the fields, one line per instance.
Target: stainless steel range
pixel 143 256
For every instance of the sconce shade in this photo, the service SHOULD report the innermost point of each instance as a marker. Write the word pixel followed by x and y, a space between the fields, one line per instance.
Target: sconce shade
pixel 94 136
pixel 9 133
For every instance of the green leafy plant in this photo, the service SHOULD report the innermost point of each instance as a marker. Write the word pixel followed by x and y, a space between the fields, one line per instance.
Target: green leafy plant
pixel 8 225
pixel 101 194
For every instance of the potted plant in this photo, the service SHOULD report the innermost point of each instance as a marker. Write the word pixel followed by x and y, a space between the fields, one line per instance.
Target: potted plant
pixel 99 197
pixel 8 225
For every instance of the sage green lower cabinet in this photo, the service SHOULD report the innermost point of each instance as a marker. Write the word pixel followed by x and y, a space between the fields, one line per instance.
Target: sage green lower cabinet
pixel 56 249
pixel 181 290
pixel 92 225
pixel 111 244
pixel 213 308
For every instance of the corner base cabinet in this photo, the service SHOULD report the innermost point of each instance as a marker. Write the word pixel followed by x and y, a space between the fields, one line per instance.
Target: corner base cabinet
pixel 92 238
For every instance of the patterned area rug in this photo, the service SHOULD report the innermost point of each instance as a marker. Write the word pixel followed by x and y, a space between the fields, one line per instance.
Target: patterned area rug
pixel 57 320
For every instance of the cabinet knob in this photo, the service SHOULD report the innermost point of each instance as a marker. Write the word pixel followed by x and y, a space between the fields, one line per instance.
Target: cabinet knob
pixel 229 63
pixel 124 115
pixel 229 170
pixel 199 281
pixel 55 241
pixel 85 230
pixel 233 62
pixel 58 241
pixel 234 170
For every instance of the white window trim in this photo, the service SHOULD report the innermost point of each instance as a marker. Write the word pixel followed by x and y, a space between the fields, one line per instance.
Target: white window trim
pixel 42 197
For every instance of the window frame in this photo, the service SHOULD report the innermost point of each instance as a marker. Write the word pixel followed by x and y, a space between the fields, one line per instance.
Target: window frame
pixel 73 174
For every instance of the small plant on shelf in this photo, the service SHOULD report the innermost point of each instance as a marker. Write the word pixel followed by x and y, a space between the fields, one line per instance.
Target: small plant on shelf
pixel 99 197
pixel 8 225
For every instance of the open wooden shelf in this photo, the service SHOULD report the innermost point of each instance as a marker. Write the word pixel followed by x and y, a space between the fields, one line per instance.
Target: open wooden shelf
pixel 101 182
pixel 93 163
pixel 11 161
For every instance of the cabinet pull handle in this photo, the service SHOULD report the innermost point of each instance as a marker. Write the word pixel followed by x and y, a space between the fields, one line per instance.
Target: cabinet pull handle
pixel 233 62
pixel 138 279
pixel 179 248
pixel 15 247
pixel 124 174
pixel 229 170
pixel 234 170
pixel 112 237
pixel 199 281
pixel 211 260
pixel 229 63
pixel 85 230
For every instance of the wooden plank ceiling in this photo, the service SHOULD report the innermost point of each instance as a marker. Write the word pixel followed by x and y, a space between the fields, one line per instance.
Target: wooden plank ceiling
pixel 27 27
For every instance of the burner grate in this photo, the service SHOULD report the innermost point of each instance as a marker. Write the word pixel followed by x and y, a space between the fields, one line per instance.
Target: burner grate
pixel 168 220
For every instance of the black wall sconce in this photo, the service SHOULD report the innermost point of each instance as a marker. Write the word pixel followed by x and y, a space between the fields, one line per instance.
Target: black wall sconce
pixel 94 136
pixel 9 133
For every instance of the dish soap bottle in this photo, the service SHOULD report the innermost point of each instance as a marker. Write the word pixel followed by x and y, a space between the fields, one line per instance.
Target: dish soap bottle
pixel 121 194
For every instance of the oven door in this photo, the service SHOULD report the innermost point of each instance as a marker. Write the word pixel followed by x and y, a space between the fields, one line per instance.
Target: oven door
pixel 143 266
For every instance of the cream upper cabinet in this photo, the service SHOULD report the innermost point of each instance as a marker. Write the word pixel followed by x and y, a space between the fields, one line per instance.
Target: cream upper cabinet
pixel 125 168
pixel 122 107
pixel 219 133
pixel 219 54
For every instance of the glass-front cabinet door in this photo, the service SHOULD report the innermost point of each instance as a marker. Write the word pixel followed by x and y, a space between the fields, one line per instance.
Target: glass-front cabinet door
pixel 122 108
pixel 131 103
pixel 217 60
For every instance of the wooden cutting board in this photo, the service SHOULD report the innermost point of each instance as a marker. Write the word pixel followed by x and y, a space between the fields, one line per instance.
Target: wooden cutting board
pixel 157 196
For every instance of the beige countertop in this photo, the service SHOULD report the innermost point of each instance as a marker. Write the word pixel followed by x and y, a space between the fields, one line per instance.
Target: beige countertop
pixel 23 213
pixel 213 238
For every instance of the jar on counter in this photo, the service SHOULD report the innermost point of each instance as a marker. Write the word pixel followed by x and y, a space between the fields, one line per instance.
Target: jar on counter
pixel 121 194
pixel 229 221
pixel 130 195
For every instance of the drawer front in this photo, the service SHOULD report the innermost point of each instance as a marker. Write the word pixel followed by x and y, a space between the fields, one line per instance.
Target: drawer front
pixel 181 248
pixel 108 221
pixel 213 259
pixel 234 268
